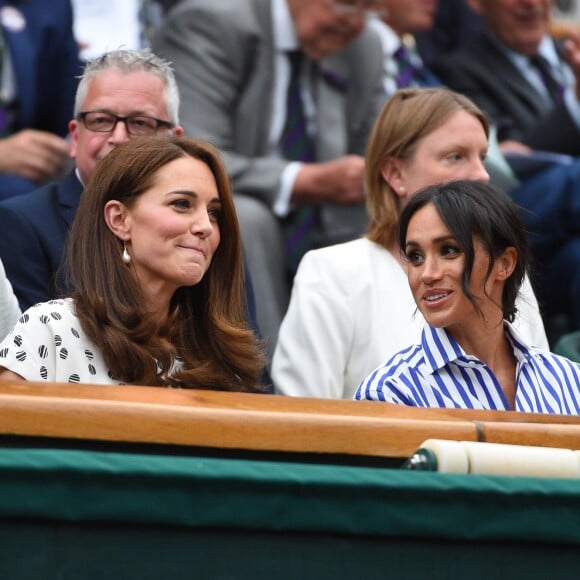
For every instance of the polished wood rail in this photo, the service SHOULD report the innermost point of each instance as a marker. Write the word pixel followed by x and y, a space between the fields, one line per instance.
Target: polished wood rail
pixel 249 422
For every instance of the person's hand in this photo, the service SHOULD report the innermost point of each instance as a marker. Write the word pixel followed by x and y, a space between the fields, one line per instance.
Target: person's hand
pixel 572 48
pixel 337 181
pixel 34 155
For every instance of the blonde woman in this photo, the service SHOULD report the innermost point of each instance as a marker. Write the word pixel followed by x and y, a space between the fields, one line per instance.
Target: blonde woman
pixel 351 307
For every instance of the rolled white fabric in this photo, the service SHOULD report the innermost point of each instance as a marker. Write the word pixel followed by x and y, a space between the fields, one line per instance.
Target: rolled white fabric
pixel 451 455
pixel 502 459
pixel 498 459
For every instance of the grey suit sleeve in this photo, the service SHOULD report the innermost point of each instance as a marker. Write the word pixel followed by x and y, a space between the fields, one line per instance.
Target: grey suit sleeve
pixel 216 49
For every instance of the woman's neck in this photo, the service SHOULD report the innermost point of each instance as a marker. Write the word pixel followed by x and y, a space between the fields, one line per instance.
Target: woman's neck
pixel 490 345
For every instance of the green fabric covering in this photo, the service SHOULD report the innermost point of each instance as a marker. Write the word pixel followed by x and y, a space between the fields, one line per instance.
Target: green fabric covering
pixel 69 551
pixel 568 345
pixel 76 486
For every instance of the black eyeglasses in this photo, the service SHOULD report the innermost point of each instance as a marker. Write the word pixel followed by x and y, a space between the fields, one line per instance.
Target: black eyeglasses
pixel 103 122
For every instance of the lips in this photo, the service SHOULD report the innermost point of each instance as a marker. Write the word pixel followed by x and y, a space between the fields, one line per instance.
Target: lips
pixel 192 249
pixel 436 296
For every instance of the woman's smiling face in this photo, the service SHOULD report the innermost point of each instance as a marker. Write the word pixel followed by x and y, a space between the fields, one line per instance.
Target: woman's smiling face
pixel 435 269
pixel 172 231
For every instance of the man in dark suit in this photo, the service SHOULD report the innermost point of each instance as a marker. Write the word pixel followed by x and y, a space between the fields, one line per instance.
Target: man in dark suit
pixel 233 64
pixel 528 84
pixel 520 76
pixel 39 67
pixel 121 92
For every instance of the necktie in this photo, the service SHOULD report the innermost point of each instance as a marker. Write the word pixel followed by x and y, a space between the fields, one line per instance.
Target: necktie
pixel 553 86
pixel 407 69
pixel 297 145
pixel 411 70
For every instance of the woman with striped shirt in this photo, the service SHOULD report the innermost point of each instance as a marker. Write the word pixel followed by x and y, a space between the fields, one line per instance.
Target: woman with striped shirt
pixel 467 255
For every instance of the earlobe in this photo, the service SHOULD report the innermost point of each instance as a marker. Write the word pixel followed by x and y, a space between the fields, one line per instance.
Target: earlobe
pixel 116 218
pixel 507 263
pixel 392 174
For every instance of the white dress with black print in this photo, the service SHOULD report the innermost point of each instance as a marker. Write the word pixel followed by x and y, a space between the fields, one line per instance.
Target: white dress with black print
pixel 48 344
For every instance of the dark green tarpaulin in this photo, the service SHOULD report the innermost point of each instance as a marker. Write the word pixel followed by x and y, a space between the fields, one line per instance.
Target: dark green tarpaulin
pixel 86 514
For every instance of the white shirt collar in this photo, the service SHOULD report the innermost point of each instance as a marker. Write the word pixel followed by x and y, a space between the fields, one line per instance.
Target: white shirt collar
pixel 390 41
pixel 285 38
pixel 546 49
pixel 441 348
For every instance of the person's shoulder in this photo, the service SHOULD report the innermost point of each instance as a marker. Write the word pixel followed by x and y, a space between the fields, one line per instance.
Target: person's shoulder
pixel 51 13
pixel 51 318
pixel 399 364
pixel 231 25
pixel 468 53
pixel 36 209
pixel 345 259
pixel 56 309
pixel 540 356
pixel 336 251
pixel 400 369
pixel 218 10
pixel 555 360
pixel 28 201
pixel 409 356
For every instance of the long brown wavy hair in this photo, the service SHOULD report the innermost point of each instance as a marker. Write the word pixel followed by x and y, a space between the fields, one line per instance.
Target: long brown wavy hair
pixel 206 324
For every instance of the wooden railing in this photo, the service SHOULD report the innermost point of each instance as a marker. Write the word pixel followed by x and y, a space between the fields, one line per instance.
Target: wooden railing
pixel 266 423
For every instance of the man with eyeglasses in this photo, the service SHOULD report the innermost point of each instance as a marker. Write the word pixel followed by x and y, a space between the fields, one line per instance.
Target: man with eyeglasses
pixel 120 95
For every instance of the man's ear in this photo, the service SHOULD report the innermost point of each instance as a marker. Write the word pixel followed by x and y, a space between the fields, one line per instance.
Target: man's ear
pixel 73 129
pixel 392 173
pixel 506 263
pixel 117 219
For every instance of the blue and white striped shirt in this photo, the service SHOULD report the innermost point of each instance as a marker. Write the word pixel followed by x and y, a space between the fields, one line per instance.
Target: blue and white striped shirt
pixel 438 373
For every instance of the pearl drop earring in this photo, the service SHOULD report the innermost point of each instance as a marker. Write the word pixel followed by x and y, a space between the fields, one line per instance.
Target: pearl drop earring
pixel 126 257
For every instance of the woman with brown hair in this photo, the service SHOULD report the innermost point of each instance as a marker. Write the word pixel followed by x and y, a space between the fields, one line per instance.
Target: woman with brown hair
pixel 155 258
pixel 351 307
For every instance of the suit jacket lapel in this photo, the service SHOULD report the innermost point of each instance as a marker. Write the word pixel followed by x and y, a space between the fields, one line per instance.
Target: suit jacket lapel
pixel 69 195
pixel 512 78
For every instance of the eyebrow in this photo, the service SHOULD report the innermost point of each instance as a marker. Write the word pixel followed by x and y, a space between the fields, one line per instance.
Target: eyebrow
pixel 439 240
pixel 191 193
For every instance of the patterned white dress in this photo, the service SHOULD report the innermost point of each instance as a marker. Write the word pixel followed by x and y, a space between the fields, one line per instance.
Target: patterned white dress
pixel 48 344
